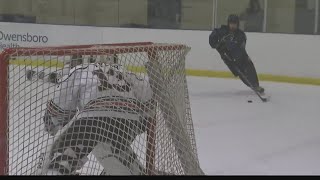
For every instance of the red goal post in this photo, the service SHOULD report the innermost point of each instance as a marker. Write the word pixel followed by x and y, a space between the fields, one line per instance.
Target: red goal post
pixel 166 152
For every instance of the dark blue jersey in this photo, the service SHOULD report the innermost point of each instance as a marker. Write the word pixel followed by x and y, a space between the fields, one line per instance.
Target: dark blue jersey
pixel 226 41
pixel 223 35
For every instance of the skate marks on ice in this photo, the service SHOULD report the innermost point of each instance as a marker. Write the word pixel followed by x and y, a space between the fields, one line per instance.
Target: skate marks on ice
pixel 233 90
pixel 26 105
pixel 298 159
pixel 236 137
pixel 228 94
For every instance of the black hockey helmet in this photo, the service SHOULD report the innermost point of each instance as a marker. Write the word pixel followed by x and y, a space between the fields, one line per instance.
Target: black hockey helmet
pixel 233 18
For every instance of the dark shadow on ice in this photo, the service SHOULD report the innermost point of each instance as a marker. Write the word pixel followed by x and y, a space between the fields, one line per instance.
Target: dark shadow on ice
pixel 223 94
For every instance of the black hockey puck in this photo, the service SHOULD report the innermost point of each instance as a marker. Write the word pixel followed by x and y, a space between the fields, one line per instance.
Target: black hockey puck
pixel 249 101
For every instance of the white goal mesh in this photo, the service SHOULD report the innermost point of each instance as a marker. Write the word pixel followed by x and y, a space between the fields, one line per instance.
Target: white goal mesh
pixel 159 141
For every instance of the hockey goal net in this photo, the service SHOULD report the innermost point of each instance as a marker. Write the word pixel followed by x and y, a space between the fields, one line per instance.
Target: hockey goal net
pixel 166 144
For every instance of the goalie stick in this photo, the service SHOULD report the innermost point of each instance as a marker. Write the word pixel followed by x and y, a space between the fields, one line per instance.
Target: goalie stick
pixel 263 99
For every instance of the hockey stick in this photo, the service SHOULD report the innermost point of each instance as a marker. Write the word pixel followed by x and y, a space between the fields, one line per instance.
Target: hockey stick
pixel 263 99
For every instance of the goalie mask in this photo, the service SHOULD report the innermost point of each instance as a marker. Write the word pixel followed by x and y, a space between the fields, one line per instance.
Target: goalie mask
pixel 110 70
pixel 114 68
pixel 115 73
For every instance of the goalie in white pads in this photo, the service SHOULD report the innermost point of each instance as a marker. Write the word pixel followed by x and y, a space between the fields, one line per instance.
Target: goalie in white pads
pixel 103 109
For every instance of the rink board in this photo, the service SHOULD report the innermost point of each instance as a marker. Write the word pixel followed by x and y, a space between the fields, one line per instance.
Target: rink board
pixel 189 72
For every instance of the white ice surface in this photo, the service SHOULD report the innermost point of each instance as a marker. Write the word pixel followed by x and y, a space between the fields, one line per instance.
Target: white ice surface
pixel 233 136
pixel 236 137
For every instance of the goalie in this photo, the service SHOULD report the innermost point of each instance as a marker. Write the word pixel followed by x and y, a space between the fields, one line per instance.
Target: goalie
pixel 102 109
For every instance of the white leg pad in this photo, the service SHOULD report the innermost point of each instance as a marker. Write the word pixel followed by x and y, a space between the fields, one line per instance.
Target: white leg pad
pixel 111 165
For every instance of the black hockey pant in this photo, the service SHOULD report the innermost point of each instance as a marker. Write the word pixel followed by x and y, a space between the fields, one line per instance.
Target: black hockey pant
pixel 246 67
pixel 85 133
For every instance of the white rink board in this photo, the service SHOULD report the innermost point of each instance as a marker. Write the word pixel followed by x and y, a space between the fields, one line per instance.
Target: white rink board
pixel 55 35
pixel 277 54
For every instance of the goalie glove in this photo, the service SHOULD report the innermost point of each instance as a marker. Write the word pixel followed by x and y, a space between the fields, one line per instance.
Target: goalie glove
pixel 49 126
pixel 55 118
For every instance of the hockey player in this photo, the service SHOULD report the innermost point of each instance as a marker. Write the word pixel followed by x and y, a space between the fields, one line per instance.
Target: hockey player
pixel 230 42
pixel 98 105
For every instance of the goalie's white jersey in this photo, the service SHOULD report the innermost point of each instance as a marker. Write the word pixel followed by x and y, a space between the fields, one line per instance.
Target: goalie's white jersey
pixel 91 92
pixel 65 70
pixel 101 91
